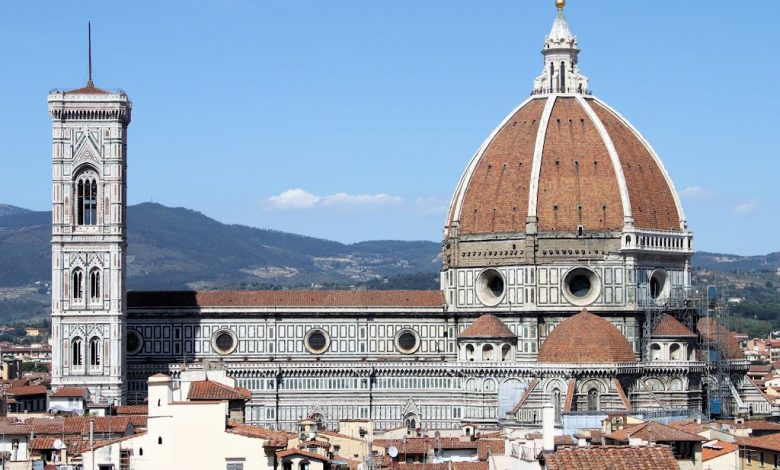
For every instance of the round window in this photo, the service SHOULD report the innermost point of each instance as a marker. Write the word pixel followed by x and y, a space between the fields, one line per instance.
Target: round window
pixel 490 287
pixel 407 341
pixel 581 286
pixel 659 286
pixel 134 342
pixel 317 341
pixel 224 342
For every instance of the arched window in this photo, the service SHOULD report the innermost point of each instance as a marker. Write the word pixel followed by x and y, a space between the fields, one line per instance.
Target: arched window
pixel 675 352
pixel 77 352
pixel 487 352
pixel 469 352
pixel 593 399
pixel 94 352
pixel 86 198
pixel 556 396
pixel 159 440
pixel 676 385
pixel 94 284
pixel 77 284
pixel 655 352
pixel 506 352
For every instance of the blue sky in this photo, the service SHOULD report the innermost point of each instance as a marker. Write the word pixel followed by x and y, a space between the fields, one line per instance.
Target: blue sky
pixel 353 120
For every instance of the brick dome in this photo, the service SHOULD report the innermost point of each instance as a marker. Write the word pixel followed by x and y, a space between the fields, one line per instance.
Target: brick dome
pixel 586 338
pixel 564 161
pixel 487 326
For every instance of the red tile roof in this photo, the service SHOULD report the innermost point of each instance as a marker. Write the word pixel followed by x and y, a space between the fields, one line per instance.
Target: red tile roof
pixel 286 298
pixel 27 390
pixel 444 466
pixel 714 331
pixel 586 338
pixel 668 326
pixel 487 326
pixel 525 396
pixel 272 438
pixel 90 89
pixel 612 458
pixel 71 392
pixel 42 443
pixel 132 410
pixel 622 393
pixel 210 390
pixel 651 431
pixel 288 452
pixel 716 449
pixel 80 425
pixel 9 426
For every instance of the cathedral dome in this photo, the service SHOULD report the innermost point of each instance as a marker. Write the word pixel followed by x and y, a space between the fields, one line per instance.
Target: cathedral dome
pixel 564 162
pixel 586 338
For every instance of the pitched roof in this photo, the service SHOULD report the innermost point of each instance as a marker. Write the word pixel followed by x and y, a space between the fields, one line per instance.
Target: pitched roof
pixel 70 392
pixel 89 89
pixel 715 449
pixel 487 326
pixel 286 298
pixel 210 390
pixel 42 443
pixel 27 390
pixel 288 452
pixel 586 338
pixel 652 431
pixel 714 331
pixel 132 410
pixel 272 438
pixel 80 424
pixel 13 427
pixel 612 458
pixel 444 466
pixel 689 425
pixel 668 326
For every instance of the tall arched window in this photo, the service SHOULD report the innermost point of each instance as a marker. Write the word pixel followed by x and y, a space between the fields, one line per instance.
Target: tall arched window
pixel 77 352
pixel 593 399
pixel 655 352
pixel 94 284
pixel 77 284
pixel 556 396
pixel 469 352
pixel 487 353
pixel 675 352
pixel 506 351
pixel 86 198
pixel 94 352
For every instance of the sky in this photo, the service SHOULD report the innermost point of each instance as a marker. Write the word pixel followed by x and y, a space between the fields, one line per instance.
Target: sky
pixel 354 120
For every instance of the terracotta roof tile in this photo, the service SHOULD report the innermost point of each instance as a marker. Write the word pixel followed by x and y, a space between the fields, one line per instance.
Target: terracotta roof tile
pixel 286 298
pixel 714 331
pixel 272 438
pixel 27 390
pixel 586 338
pixel 132 410
pixel 288 452
pixel 712 450
pixel 210 390
pixel 444 466
pixel 612 458
pixel 71 392
pixel 80 424
pixel 668 326
pixel 89 89
pixel 652 431
pixel 487 326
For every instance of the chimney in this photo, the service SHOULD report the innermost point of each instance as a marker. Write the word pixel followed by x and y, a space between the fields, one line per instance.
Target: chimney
pixel 548 427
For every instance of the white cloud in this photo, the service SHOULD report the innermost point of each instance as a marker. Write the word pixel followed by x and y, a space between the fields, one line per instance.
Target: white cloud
pixel 300 199
pixel 696 193
pixel 746 208
pixel 431 205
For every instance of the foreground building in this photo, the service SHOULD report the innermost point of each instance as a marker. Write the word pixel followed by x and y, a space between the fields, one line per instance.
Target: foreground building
pixel 566 279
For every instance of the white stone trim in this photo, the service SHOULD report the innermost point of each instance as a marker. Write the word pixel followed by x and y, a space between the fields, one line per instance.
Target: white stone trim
pixel 680 212
pixel 536 167
pixel 628 215
pixel 453 214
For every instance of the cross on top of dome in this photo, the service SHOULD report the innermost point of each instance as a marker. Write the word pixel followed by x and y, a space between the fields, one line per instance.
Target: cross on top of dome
pixel 560 73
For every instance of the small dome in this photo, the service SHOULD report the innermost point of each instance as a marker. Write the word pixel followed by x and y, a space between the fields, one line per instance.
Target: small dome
pixel 670 327
pixel 586 338
pixel 487 326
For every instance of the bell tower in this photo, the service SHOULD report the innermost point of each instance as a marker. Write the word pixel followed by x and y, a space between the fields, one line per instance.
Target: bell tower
pixel 89 239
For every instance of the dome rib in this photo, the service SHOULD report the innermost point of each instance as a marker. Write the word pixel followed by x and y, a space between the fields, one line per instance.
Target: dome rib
pixel 586 338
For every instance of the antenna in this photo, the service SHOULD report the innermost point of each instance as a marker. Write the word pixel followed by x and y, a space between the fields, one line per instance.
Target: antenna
pixel 89 49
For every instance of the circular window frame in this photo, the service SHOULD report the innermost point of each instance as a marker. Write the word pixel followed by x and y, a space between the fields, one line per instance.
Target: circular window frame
pixel 140 342
pixel 397 341
pixel 216 335
pixel 592 295
pixel 663 277
pixel 484 293
pixel 308 335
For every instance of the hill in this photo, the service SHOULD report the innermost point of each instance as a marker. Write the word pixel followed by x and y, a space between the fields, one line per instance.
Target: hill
pixel 7 209
pixel 736 263
pixel 177 248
